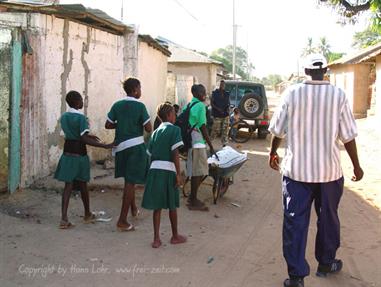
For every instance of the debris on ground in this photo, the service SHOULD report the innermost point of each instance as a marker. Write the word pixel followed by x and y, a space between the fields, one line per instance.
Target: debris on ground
pixel 235 204
pixel 210 259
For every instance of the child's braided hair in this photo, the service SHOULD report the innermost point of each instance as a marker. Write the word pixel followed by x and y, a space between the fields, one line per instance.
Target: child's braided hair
pixel 163 110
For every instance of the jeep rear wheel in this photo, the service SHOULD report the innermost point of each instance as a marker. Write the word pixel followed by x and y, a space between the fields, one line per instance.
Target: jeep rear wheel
pixel 251 105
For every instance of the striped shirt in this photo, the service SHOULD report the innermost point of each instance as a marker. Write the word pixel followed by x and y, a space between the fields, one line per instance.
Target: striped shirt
pixel 313 117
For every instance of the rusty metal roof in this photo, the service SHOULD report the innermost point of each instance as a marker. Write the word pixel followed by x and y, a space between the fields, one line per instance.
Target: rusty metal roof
pixel 365 55
pixel 155 44
pixel 75 12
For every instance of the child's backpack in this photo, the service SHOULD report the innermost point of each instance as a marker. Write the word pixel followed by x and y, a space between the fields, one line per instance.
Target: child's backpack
pixel 182 122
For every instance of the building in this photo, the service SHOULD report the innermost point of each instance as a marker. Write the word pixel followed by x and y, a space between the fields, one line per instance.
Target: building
pixel 359 75
pixel 48 50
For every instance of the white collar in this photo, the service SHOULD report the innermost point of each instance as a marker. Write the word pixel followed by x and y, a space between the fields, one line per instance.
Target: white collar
pixel 315 82
pixel 74 111
pixel 164 124
pixel 128 98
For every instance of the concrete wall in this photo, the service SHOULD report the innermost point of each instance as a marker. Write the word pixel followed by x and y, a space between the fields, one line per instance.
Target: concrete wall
pixel 378 88
pixel 66 56
pixel 152 73
pixel 5 74
pixel 179 88
pixel 354 80
pixel 205 73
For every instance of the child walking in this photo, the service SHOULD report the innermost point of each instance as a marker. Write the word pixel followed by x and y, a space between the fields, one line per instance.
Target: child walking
pixel 129 118
pixel 74 165
pixel 163 179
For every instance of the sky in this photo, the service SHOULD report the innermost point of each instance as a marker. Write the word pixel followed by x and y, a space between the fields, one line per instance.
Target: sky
pixel 273 32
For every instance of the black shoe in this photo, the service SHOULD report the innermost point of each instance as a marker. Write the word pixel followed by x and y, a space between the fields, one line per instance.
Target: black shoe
pixel 293 282
pixel 334 267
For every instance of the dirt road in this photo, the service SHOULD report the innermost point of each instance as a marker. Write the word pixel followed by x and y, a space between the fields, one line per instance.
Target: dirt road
pixel 228 246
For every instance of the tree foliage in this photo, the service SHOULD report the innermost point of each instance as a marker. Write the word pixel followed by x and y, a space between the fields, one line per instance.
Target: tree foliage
pixel 225 56
pixel 350 9
pixel 323 47
pixel 366 38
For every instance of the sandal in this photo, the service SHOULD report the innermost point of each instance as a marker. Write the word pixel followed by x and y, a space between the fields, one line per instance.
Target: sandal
pixel 66 225
pixel 131 227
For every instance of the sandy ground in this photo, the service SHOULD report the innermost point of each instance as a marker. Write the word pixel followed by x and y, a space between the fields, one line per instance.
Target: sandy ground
pixel 228 246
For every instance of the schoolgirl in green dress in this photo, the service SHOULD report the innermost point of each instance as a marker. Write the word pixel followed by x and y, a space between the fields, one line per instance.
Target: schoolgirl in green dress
pixel 129 118
pixel 74 165
pixel 163 179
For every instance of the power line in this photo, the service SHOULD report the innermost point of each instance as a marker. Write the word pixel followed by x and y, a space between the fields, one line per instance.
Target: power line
pixel 186 10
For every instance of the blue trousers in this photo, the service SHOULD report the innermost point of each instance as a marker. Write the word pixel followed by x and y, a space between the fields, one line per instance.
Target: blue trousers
pixel 297 202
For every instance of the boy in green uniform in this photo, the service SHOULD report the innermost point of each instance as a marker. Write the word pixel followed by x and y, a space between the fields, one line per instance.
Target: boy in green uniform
pixel 197 163
pixel 163 179
pixel 74 165
pixel 129 118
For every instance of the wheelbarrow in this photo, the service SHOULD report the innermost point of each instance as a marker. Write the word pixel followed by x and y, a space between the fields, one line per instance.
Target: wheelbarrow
pixel 222 174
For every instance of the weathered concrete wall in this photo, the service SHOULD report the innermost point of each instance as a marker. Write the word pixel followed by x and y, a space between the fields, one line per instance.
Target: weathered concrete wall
pixel 205 73
pixel 179 88
pixel 5 73
pixel 66 56
pixel 152 72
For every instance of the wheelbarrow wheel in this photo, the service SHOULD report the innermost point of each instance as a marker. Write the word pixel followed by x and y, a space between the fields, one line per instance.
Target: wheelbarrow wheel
pixel 220 187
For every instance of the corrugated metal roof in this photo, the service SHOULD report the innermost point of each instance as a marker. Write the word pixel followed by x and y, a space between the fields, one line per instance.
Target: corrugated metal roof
pixel 75 12
pixel 359 57
pixel 155 44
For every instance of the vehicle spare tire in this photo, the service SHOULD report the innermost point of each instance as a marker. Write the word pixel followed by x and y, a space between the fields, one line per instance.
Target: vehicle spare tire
pixel 251 105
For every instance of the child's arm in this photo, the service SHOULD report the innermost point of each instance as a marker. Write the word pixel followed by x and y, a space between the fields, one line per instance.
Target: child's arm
pixel 176 161
pixel 148 127
pixel 94 141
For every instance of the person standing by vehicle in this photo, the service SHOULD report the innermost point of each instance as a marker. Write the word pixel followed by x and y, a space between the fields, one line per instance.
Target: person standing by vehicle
pixel 314 116
pixel 220 103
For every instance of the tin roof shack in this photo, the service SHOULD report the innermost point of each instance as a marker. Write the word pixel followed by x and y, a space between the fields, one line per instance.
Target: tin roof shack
pixel 152 72
pixel 355 75
pixel 55 49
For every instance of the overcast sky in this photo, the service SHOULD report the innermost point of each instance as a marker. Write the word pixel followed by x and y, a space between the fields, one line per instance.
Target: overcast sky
pixel 273 32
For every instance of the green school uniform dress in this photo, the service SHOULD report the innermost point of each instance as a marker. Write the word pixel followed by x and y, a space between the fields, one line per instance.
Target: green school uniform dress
pixel 131 159
pixel 73 167
pixel 160 190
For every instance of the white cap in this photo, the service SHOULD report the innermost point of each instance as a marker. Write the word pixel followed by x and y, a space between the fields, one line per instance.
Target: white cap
pixel 315 61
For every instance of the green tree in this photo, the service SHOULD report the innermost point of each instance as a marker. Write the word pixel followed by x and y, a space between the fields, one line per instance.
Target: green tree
pixel 225 56
pixel 366 38
pixel 309 49
pixel 350 9
pixel 324 48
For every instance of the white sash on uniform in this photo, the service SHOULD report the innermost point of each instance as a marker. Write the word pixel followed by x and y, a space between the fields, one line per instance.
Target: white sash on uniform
pixel 127 144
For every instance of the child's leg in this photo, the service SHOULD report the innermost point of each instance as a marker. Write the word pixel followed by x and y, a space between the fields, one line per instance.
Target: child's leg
pixel 176 237
pixel 85 198
pixel 156 228
pixel 127 198
pixel 65 200
pixel 134 209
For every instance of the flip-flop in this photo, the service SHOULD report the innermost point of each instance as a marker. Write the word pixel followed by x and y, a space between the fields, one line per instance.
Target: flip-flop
pixel 131 227
pixel 66 225
pixel 91 219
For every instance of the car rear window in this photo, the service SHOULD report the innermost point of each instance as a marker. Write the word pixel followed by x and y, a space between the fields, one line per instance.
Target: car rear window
pixel 242 90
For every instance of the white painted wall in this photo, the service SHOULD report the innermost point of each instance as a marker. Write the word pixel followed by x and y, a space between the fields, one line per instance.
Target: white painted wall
pixel 378 89
pixel 152 73
pixel 72 56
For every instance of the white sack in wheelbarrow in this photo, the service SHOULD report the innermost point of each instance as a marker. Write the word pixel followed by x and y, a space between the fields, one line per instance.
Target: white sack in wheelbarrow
pixel 227 157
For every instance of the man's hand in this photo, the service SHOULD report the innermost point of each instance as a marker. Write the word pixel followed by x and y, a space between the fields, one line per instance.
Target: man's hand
pixel 358 174
pixel 274 161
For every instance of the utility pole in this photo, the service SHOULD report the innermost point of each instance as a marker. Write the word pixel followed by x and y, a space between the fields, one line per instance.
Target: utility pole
pixel 234 42
pixel 121 13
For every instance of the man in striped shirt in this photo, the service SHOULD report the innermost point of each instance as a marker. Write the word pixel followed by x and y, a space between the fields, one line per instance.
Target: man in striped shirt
pixel 313 117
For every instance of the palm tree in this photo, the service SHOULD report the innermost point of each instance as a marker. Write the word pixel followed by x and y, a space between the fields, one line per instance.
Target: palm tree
pixel 324 48
pixel 309 49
